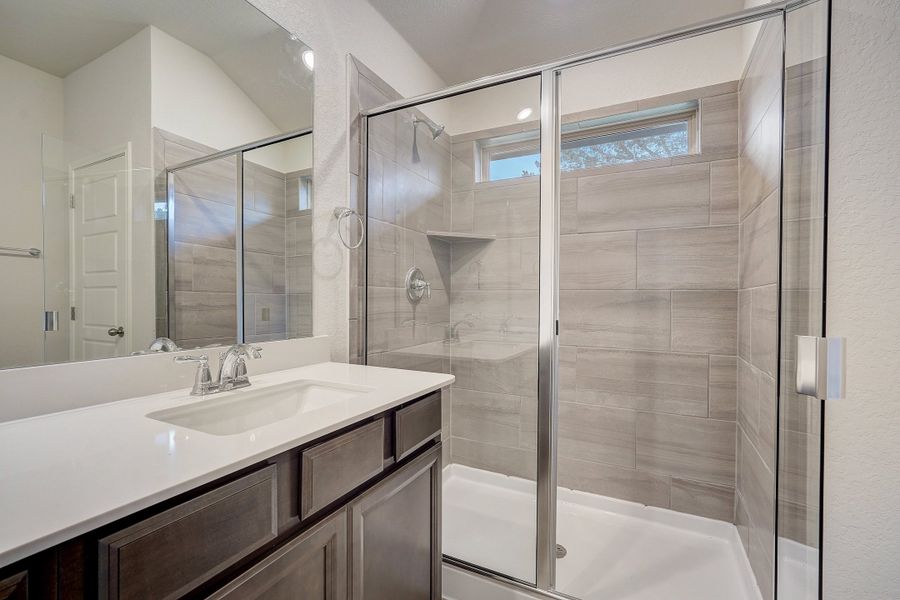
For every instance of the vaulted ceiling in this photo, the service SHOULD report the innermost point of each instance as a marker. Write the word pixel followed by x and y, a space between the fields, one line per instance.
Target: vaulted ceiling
pixel 467 39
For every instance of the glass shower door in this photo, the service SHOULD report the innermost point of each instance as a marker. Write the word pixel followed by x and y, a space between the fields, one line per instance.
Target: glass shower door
pixel 802 300
pixel 669 195
pixel 453 221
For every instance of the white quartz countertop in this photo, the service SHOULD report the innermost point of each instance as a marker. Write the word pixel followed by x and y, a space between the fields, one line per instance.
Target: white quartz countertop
pixel 65 474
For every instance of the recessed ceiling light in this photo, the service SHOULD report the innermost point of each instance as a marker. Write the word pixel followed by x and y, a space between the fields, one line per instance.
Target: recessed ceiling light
pixel 309 59
pixel 523 114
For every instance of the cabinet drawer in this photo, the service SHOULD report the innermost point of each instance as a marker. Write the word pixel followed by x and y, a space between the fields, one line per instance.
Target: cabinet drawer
pixel 171 553
pixel 331 469
pixel 313 566
pixel 417 424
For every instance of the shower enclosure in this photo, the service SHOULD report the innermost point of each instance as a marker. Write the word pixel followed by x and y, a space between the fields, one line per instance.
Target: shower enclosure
pixel 617 284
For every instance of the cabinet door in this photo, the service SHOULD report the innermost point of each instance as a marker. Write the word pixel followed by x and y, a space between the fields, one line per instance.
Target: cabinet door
pixel 396 534
pixel 312 567
pixel 14 587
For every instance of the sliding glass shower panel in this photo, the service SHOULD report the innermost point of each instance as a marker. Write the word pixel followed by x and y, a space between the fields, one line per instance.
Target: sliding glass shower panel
pixel 202 230
pixel 802 298
pixel 669 177
pixel 277 243
pixel 453 221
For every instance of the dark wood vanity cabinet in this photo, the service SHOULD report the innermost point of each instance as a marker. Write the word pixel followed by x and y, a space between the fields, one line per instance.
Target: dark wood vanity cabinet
pixel 312 566
pixel 395 534
pixel 353 515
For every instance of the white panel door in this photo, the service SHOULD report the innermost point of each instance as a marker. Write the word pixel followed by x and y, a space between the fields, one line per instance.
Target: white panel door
pixel 101 203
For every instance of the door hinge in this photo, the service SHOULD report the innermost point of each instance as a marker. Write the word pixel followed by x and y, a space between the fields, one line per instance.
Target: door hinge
pixel 821 367
pixel 72 313
pixel 71 200
pixel 557 327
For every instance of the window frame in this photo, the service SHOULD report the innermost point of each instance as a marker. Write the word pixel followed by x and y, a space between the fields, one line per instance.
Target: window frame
pixel 490 151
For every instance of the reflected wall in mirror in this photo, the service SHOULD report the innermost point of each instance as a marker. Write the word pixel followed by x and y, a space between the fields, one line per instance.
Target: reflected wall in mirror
pixel 157 160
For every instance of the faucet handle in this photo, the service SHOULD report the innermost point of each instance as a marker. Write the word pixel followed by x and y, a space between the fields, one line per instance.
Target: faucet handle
pixel 185 358
pixel 203 383
pixel 255 351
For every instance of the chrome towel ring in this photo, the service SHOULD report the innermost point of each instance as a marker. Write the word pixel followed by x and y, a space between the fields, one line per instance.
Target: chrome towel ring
pixel 341 213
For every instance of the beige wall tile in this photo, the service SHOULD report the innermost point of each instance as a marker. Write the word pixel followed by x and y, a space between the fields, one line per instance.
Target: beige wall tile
pixel 719 126
pixel 508 210
pixel 804 97
pixel 761 83
pixel 615 319
pixel 276 307
pixel 757 486
pixel 299 274
pixel 764 328
pixel 655 381
pixel 568 205
pixel 598 261
pixel 499 459
pixel 723 192
pixel 204 222
pixel 597 434
pixel 768 420
pixel 759 245
pixel 664 197
pixel 264 232
pixel 503 264
pixel 745 306
pixel 200 315
pixel 515 376
pixel 486 417
pixel 616 482
pixel 748 399
pixel 696 258
pixel 760 162
pixel 723 388
pixel 704 321
pixel 703 499
pixel 214 180
pixel 686 447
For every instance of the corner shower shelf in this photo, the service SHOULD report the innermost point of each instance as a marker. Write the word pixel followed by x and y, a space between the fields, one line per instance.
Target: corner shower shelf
pixel 455 236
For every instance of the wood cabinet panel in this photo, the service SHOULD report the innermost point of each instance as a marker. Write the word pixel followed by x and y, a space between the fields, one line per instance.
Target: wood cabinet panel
pixel 395 534
pixel 14 587
pixel 313 566
pixel 417 424
pixel 173 552
pixel 340 465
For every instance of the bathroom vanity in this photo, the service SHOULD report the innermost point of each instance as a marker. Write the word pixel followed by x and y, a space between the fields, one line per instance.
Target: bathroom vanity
pixel 325 482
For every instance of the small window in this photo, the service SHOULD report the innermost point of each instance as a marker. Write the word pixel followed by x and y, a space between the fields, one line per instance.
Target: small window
pixel 304 201
pixel 589 144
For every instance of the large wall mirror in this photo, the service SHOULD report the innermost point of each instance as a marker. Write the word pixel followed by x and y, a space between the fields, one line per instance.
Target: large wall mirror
pixel 157 169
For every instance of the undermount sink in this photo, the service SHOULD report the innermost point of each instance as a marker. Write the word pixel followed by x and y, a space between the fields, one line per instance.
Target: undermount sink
pixel 246 409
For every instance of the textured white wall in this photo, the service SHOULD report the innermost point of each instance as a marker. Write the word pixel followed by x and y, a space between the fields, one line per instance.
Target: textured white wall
pixel 862 457
pixel 335 29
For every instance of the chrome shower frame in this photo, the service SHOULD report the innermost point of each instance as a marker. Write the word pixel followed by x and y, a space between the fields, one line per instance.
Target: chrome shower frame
pixel 238 153
pixel 548 328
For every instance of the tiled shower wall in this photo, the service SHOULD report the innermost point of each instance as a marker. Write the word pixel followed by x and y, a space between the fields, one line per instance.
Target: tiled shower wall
pixel 760 171
pixel 648 319
pixel 277 247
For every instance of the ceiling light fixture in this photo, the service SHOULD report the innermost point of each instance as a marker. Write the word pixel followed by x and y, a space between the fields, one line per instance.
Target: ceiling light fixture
pixel 309 59
pixel 523 114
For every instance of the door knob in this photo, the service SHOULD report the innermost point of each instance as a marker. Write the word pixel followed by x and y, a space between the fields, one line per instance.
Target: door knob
pixel 116 331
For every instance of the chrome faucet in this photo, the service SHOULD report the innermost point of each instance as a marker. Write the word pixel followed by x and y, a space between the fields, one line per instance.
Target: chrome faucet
pixel 232 370
pixel 233 366
pixel 453 333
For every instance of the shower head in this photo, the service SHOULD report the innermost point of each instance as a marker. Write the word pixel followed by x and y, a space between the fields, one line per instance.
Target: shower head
pixel 436 130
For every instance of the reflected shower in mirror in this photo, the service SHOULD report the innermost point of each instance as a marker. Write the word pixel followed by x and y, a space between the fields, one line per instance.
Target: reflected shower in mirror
pixel 158 160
